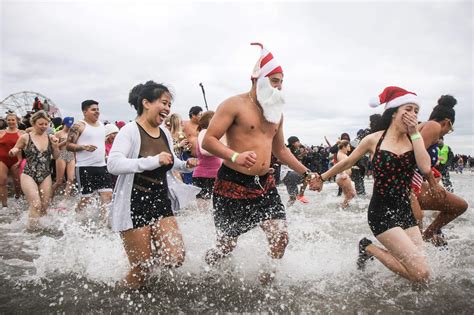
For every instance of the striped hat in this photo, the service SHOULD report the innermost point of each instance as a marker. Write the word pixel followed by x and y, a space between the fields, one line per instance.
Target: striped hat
pixel 266 65
pixel 394 96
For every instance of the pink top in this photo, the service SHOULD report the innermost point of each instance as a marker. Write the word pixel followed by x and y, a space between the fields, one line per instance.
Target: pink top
pixel 108 146
pixel 207 165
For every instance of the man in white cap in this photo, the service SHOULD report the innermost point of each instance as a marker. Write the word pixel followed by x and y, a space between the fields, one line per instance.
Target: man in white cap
pixel 245 194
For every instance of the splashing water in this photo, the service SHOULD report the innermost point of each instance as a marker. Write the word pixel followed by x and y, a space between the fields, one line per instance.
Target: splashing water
pixel 74 264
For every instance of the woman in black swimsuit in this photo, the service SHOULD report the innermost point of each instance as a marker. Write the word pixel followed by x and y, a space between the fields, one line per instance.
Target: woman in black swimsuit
pixel 38 148
pixel 395 151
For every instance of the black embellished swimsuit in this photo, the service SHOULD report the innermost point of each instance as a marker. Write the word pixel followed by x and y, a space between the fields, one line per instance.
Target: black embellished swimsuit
pixel 390 204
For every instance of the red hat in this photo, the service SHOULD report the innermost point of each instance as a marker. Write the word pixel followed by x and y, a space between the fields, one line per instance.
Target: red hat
pixel 120 124
pixel 394 96
pixel 266 65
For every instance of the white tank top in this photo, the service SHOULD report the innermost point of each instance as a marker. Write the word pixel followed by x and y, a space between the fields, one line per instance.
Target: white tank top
pixel 92 136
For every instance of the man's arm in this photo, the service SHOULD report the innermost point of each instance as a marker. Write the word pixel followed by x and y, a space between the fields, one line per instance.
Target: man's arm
pixel 219 124
pixel 73 134
pixel 284 154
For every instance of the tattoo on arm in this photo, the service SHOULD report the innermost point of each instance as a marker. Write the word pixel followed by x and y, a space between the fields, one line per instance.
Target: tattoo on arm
pixel 72 136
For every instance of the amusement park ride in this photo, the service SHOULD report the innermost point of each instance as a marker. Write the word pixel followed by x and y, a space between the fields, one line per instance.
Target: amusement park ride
pixel 22 102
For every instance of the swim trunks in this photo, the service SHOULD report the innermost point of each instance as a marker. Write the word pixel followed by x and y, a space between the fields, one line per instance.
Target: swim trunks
pixel 241 202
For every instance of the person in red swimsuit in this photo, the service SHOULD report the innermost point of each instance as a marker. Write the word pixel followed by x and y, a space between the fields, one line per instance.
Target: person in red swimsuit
pixel 9 165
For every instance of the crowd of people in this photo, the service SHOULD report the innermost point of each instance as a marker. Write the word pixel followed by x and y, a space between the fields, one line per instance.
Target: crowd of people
pixel 231 161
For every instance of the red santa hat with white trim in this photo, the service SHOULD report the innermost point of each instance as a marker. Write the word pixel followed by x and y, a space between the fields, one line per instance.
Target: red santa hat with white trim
pixel 394 96
pixel 266 65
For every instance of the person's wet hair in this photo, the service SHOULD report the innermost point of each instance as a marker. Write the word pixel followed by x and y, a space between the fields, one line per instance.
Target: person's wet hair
pixel 150 91
pixel 444 109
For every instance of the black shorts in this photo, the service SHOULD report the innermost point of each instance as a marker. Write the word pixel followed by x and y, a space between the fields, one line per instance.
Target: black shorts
pixel 148 207
pixel 93 178
pixel 387 213
pixel 241 202
pixel 206 185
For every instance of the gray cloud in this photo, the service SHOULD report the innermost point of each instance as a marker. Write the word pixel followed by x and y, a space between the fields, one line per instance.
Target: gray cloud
pixel 335 56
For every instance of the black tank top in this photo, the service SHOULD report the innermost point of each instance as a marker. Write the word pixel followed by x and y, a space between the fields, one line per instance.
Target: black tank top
pixel 151 146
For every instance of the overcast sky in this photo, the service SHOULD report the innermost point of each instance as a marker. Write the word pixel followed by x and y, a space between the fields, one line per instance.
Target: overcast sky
pixel 335 56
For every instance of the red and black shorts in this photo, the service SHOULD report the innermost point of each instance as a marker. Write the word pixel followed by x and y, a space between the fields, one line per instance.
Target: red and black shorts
pixel 241 202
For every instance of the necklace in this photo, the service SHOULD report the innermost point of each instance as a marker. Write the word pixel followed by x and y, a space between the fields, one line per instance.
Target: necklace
pixel 254 103
pixel 251 98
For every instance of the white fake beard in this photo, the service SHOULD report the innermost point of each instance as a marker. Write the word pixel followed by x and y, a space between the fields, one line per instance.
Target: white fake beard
pixel 270 99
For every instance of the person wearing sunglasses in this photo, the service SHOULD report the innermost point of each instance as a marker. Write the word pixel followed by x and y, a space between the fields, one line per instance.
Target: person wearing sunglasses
pixel 429 194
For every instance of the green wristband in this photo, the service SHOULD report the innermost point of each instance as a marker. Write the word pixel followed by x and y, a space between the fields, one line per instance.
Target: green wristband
pixel 415 136
pixel 234 157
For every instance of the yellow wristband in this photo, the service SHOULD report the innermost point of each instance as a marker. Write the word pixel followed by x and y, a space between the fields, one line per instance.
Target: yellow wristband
pixel 234 157
pixel 415 136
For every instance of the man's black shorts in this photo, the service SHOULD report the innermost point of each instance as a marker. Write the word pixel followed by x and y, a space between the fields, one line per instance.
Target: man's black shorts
pixel 241 202
pixel 93 178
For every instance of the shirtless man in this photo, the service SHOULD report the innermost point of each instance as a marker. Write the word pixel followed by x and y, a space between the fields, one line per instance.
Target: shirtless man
pixel 245 194
pixel 190 129
pixel 87 139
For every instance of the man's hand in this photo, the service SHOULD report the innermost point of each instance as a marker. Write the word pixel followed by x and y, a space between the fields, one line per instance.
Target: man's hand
pixel 246 159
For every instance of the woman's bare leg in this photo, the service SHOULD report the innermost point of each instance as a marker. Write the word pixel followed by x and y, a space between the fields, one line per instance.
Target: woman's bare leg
pixel 70 174
pixel 3 184
pixel 403 254
pixel 137 244
pixel 169 242
pixel 32 195
pixel 347 189
pixel 450 207
pixel 46 191
pixel 60 168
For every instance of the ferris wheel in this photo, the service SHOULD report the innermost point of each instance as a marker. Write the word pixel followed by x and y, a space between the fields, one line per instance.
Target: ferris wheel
pixel 22 102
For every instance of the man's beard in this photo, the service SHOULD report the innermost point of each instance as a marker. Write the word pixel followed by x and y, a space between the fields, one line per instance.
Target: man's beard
pixel 270 99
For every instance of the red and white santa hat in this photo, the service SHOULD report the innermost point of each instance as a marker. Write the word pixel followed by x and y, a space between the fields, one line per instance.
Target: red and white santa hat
pixel 266 65
pixel 394 96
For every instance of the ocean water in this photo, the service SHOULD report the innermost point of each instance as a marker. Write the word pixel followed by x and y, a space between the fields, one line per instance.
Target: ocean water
pixel 74 264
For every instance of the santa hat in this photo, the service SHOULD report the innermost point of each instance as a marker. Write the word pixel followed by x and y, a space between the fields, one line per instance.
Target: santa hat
pixel 266 65
pixel 394 96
